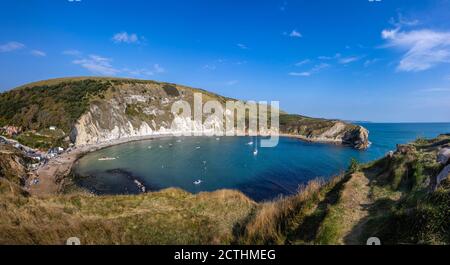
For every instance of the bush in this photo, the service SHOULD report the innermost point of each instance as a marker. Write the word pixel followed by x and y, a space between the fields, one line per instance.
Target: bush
pixel 354 166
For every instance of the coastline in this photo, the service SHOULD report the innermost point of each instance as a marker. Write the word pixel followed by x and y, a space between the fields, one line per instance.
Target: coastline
pixel 51 175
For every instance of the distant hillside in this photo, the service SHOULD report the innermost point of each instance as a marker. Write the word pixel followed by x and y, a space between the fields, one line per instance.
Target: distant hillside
pixel 87 110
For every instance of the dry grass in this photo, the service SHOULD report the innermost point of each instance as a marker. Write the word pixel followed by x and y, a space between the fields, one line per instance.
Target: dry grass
pixel 170 216
pixel 275 221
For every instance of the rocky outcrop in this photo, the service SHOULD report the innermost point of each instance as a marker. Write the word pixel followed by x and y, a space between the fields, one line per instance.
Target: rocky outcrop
pixel 328 131
pixel 444 155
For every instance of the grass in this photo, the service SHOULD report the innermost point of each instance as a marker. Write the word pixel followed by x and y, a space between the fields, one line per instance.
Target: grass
pixel 281 221
pixel 167 217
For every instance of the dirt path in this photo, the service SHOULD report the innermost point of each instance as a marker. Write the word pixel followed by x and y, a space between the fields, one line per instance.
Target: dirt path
pixel 354 203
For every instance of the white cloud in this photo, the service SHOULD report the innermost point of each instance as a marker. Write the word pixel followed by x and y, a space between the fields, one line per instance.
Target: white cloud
pixel 306 61
pixel 242 46
pixel 423 48
pixel 158 68
pixel 97 65
pixel 336 56
pixel 295 34
pixel 317 68
pixel 348 60
pixel 103 66
pixel 38 53
pixel 300 73
pixel 72 52
pixel 11 46
pixel 124 37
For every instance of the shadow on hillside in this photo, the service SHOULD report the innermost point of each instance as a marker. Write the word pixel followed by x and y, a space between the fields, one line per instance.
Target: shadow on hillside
pixel 306 232
pixel 370 225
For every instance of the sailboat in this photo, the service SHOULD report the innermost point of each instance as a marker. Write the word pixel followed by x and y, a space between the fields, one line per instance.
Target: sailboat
pixel 255 152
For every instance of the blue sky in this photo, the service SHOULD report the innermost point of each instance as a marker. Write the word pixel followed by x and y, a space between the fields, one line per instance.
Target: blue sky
pixel 385 61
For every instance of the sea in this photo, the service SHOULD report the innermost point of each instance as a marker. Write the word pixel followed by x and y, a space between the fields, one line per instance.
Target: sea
pixel 198 164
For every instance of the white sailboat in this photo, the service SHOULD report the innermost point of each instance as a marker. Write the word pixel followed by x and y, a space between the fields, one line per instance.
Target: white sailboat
pixel 255 152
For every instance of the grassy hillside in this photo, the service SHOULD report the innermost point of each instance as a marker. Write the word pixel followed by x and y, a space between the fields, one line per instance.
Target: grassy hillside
pixel 167 217
pixel 391 198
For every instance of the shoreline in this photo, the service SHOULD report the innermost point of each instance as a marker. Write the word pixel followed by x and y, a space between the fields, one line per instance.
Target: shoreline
pixel 50 176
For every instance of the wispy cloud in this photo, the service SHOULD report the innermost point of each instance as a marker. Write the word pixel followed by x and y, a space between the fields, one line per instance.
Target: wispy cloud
pixel 158 69
pixel 316 69
pixel 401 21
pixel 38 53
pixel 98 65
pixel 11 46
pixel 72 52
pixel 242 46
pixel 295 34
pixel 303 62
pixel 336 56
pixel 124 37
pixel 211 67
pixel 300 73
pixel 347 60
pixel 103 66
pixel 424 48
pixel 370 62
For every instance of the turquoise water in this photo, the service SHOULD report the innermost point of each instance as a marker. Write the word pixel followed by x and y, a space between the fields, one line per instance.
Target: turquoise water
pixel 230 163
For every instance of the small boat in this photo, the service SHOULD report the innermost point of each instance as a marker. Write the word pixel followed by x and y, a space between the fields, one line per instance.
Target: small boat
pixel 198 182
pixel 255 152
pixel 106 159
pixel 250 143
pixel 198 147
pixel 218 139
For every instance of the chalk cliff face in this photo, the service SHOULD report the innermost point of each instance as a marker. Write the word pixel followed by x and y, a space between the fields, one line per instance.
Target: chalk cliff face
pixel 137 110
pixel 97 110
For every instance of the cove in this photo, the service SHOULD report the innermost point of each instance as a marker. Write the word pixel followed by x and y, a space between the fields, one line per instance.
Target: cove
pixel 198 164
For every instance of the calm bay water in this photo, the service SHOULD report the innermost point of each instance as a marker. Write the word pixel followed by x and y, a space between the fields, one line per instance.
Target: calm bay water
pixel 230 162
